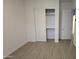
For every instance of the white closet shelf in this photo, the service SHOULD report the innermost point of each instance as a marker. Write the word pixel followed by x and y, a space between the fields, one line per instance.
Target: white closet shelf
pixel 50 13
pixel 50 28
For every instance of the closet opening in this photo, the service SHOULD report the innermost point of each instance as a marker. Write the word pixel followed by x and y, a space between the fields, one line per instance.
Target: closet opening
pixel 50 24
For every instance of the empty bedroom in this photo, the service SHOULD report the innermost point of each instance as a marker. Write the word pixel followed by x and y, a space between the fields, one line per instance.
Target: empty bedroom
pixel 39 29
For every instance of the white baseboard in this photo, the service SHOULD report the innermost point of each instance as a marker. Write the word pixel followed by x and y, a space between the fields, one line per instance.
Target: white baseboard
pixel 65 39
pixel 56 40
pixel 7 56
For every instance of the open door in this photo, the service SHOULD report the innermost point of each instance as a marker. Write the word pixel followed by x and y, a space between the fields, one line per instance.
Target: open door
pixel 40 24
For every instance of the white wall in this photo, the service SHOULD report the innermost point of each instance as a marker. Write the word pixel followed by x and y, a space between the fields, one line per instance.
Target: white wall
pixel 74 3
pixel 29 17
pixel 14 25
pixel 66 20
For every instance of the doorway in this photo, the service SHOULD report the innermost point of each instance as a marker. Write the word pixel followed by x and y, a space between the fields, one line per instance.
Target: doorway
pixel 50 24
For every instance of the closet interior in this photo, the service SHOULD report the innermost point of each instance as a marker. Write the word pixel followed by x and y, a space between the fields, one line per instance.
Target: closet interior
pixel 50 24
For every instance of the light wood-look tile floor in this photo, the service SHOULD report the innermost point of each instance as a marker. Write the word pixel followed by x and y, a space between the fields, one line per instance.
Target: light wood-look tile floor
pixel 45 50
